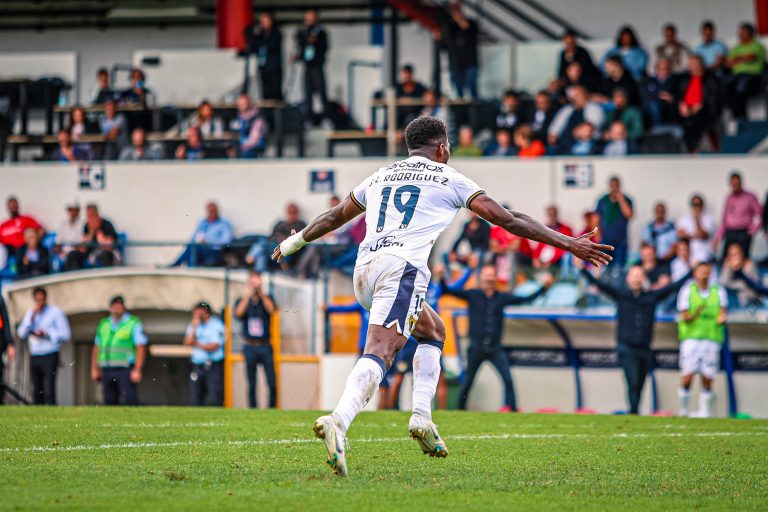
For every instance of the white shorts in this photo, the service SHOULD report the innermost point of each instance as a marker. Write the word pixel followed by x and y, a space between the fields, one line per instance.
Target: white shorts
pixel 392 290
pixel 700 356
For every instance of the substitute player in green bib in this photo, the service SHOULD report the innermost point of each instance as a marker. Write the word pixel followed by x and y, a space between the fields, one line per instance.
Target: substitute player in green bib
pixel 701 328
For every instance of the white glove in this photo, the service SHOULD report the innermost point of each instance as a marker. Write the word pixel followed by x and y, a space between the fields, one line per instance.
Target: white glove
pixel 292 244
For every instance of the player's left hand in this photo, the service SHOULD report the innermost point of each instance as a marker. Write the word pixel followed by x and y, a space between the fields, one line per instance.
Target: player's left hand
pixel 584 249
pixel 277 255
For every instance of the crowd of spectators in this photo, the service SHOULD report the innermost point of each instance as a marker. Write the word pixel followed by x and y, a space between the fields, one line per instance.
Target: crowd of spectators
pixel 608 108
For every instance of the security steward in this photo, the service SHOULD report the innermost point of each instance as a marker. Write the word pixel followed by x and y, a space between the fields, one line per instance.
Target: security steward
pixel 119 354
pixel 205 334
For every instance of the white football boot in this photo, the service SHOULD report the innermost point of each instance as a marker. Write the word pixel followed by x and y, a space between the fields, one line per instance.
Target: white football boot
pixel 425 433
pixel 325 428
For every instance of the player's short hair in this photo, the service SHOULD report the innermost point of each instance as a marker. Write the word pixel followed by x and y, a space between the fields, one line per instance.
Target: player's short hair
pixel 425 131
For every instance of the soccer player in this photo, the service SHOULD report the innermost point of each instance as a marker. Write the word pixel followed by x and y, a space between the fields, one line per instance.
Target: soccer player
pixel 702 331
pixel 407 205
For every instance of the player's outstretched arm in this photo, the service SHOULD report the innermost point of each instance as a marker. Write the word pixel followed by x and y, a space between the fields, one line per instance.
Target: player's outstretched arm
pixel 321 225
pixel 521 224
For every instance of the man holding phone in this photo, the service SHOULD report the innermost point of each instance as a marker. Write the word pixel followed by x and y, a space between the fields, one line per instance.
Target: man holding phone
pixel 44 328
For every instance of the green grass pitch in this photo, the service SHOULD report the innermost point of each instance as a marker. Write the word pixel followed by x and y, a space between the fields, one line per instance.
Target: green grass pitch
pixel 160 459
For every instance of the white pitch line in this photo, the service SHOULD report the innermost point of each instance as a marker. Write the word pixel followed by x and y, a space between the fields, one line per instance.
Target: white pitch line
pixel 270 442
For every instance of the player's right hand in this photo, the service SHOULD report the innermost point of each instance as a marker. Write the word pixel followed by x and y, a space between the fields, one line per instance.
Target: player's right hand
pixel 584 249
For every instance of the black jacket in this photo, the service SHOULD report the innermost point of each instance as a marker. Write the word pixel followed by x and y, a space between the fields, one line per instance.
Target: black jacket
pixel 588 68
pixel 268 47
pixel 486 315
pixel 627 83
pixel 33 268
pixel 636 314
pixel 314 36
pixel 711 89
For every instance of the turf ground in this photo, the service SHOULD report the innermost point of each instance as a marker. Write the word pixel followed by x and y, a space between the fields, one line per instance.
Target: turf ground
pixel 162 459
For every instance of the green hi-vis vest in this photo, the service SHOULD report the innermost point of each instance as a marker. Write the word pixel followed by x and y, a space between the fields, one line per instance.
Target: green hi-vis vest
pixel 116 348
pixel 705 326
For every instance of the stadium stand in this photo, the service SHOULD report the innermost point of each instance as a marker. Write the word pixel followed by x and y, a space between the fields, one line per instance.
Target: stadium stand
pixel 588 109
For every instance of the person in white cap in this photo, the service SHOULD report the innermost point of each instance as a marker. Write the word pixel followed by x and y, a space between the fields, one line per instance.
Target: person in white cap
pixel 70 232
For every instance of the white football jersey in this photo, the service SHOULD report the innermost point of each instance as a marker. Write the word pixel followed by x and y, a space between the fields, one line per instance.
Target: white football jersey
pixel 407 205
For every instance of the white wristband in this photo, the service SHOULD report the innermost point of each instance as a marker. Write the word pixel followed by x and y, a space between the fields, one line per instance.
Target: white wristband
pixel 292 244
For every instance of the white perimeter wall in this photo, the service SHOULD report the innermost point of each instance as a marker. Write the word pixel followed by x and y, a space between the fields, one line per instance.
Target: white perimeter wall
pixel 163 201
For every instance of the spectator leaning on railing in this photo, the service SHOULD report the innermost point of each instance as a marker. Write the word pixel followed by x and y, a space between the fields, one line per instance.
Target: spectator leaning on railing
pixel 44 328
pixel 139 149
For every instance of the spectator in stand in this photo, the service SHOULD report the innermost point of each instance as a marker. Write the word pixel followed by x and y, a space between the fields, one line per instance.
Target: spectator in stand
pixel 103 92
pixel 742 215
pixel 460 36
pixel 285 228
pixel 579 110
pixel 574 75
pixel 409 88
pixel 746 61
pixel 44 328
pixel 636 317
pixel 205 120
pixel 656 273
pixel 545 256
pixel 267 44
pixel 672 49
pixel 32 259
pixel 699 229
pixel 527 146
pixel 66 151
pixel 432 106
pixel 583 141
pixel 139 149
pixel 658 94
pixel 660 233
pixel 211 235
pixel 501 145
pixel 251 127
pixel 137 90
pixel 735 261
pixel 255 309
pixel 70 232
pixel 698 99
pixel 617 142
pixel 615 210
pixel 119 353
pixel 486 324
pixel 78 124
pixel 98 243
pixel 681 263
pixel 543 114
pixel 312 44
pixel 592 221
pixel 510 111
pixel 473 240
pixel 205 334
pixel 616 77
pixel 192 148
pixel 712 51
pixel 113 126
pixel 466 146
pixel 12 229
pixel 632 54
pixel 573 53
pixel 629 115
